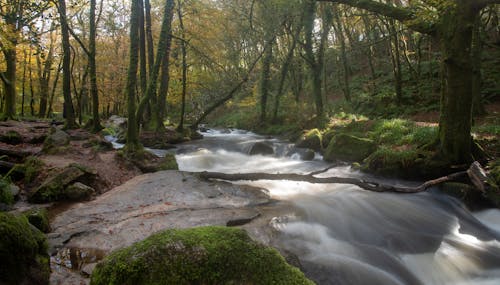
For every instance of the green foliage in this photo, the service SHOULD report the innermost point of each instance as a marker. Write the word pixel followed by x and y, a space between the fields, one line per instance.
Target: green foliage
pixel 23 252
pixel 205 255
pixel 5 194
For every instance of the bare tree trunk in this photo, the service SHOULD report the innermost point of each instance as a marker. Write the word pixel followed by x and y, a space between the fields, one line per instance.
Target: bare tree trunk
pixel 96 124
pixel 184 68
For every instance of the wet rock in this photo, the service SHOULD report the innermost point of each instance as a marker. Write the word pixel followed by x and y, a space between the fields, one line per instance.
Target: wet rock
pixel 307 154
pixel 99 144
pixel 261 148
pixel 350 148
pixel 23 252
pixel 205 255
pixel 79 192
pixel 243 220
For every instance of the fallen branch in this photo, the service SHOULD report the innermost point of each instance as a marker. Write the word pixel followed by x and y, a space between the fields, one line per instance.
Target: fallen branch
pixel 364 184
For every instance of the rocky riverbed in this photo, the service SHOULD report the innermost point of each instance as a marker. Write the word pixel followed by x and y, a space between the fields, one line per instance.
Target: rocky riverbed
pixel 86 232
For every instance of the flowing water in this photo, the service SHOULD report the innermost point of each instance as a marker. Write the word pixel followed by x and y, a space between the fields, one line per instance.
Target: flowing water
pixel 350 236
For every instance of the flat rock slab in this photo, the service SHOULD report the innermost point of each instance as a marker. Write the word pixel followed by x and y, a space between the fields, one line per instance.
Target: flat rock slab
pixel 147 204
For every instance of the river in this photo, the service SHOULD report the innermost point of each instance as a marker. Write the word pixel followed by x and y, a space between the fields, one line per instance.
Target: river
pixel 345 235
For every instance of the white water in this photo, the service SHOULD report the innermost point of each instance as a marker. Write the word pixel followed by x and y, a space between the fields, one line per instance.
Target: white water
pixel 350 236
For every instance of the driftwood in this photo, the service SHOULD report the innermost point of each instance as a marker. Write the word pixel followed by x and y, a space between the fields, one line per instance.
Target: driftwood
pixel 364 184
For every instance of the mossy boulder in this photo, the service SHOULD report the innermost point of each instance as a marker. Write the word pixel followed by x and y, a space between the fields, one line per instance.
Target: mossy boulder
pixel 55 141
pixel 205 255
pixel 54 187
pixel 311 139
pixel 261 148
pixel 23 252
pixel 6 196
pixel 168 163
pixel 38 217
pixel 349 147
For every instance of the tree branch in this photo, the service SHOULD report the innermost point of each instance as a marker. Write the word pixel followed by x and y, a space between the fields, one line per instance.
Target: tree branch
pixel 406 15
pixel 364 184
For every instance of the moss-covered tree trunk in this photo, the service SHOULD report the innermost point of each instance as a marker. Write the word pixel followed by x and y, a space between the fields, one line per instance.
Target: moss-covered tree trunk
pixel 96 121
pixel 10 83
pixel 265 77
pixel 455 32
pixel 69 111
pixel 132 143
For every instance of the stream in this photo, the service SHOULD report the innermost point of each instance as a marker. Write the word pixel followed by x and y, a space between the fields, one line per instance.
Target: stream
pixel 345 235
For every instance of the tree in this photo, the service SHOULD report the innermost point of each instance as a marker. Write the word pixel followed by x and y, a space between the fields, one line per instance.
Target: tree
pixel 15 17
pixel 96 121
pixel 452 22
pixel 132 144
pixel 69 111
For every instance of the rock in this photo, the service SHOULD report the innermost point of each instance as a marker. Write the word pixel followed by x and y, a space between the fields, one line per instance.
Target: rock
pixel 79 192
pixel 261 148
pixel 87 269
pixel 348 147
pixel 99 144
pixel 311 139
pixel 11 137
pixel 53 188
pixel 204 255
pixel 23 252
pixel 56 139
pixel 308 154
pixel 6 196
pixel 14 190
pixel 39 217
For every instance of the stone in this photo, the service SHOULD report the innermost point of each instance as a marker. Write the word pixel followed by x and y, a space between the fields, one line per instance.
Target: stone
pixel 39 217
pixel 53 188
pixel 14 190
pixel 203 255
pixel 55 140
pixel 23 252
pixel 311 139
pixel 79 192
pixel 261 148
pixel 349 148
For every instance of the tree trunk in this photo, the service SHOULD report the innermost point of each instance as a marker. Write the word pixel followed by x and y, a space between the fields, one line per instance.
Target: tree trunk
pixel 343 55
pixel 69 111
pixel 265 78
pixel 23 88
pixel 456 106
pixel 10 82
pixel 96 121
pixel 132 144
pixel 184 68
pixel 476 53
pixel 395 59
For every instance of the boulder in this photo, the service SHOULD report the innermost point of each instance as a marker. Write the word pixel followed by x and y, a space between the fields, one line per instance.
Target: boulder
pixel 311 139
pixel 23 252
pixel 204 255
pixel 39 217
pixel 53 188
pixel 262 148
pixel 348 147
pixel 6 196
pixel 79 192
pixel 55 140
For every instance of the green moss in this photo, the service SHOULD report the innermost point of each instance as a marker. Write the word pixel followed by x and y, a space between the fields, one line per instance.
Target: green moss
pixel 31 168
pixel 311 139
pixel 168 163
pixel 205 255
pixel 11 137
pixel 6 196
pixel 348 147
pixel 23 252
pixel 39 217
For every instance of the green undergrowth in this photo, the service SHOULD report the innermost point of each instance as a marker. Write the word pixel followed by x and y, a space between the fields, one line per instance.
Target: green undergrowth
pixel 204 255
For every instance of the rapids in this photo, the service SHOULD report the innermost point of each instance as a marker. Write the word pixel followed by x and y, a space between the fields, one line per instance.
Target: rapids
pixel 345 235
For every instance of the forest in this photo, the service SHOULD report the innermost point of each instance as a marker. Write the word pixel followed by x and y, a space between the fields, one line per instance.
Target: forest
pixel 99 92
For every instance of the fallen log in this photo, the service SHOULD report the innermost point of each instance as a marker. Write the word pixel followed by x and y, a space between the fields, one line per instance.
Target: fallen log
pixel 364 184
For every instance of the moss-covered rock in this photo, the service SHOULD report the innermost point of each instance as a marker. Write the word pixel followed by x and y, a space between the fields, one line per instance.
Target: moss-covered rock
pixel 6 196
pixel 55 141
pixel 23 252
pixel 205 255
pixel 168 163
pixel 39 217
pixel 53 188
pixel 31 167
pixel 311 139
pixel 348 147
